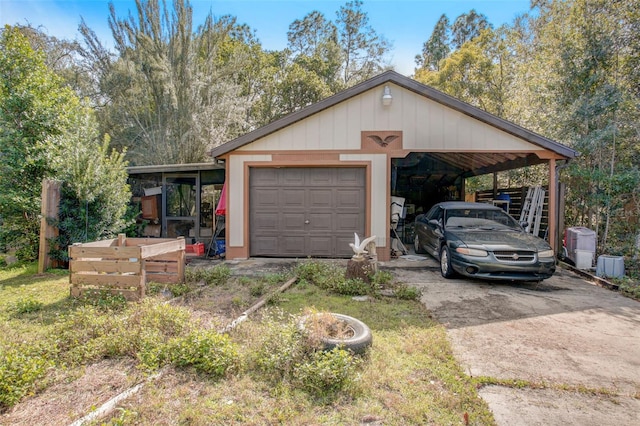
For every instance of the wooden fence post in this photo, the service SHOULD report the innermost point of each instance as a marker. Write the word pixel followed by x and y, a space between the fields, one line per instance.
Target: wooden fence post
pixel 50 204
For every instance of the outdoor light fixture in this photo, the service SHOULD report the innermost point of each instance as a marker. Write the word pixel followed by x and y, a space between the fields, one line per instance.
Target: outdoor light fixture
pixel 386 96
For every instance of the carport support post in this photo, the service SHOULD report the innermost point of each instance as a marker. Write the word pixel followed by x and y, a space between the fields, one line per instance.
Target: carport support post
pixel 553 206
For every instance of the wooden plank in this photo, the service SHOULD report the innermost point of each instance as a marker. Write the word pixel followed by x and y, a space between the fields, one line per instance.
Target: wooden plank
pixel 163 278
pixel 49 209
pixel 116 281
pixel 108 266
pixel 162 248
pixel 147 241
pixel 168 257
pixel 105 252
pixel 181 263
pixel 100 243
pixel 161 267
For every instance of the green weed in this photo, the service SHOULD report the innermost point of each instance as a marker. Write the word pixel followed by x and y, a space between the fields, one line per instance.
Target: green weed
pixel 27 305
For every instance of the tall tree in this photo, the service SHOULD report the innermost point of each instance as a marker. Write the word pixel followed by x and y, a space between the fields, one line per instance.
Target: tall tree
pixel 174 91
pixel 437 47
pixel 480 72
pixel 363 49
pixel 466 27
pixel 314 46
pixel 46 132
pixel 34 106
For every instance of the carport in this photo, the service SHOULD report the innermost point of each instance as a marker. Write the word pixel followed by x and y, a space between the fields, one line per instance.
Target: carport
pixel 302 185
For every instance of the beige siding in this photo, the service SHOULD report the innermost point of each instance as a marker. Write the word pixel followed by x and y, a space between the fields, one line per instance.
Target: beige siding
pixel 235 198
pixel 379 183
pixel 426 126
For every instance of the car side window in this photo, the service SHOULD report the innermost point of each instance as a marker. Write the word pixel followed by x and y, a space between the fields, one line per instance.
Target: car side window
pixel 435 214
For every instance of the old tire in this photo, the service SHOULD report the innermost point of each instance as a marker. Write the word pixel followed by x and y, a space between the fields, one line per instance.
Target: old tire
pixel 358 343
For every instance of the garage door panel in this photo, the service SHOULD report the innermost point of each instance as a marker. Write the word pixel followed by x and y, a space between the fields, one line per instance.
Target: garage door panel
pixel 320 221
pixel 266 197
pixel 292 198
pixel 343 247
pixel 320 177
pixel 349 198
pixel 290 245
pixel 264 177
pixel 321 198
pixel 266 245
pixel 292 177
pixel 331 200
pixel 348 176
pixel 349 222
pixel 292 221
pixel 267 221
pixel 321 246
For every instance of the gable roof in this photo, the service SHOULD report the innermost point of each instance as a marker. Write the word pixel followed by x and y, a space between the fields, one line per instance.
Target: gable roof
pixel 409 84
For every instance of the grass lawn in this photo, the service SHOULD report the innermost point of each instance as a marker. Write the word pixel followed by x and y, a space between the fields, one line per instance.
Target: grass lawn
pixel 82 353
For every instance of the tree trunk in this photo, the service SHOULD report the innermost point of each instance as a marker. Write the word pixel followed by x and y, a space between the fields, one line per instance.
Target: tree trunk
pixel 360 268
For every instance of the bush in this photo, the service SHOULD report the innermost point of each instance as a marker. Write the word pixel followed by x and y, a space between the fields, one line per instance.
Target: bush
pixel 179 289
pixel 104 300
pixel 27 305
pixel 352 287
pixel 331 277
pixel 381 278
pixel 257 289
pixel 19 371
pixel 285 355
pixel 405 292
pixel 217 275
pixel 279 348
pixel 207 351
pixel 325 373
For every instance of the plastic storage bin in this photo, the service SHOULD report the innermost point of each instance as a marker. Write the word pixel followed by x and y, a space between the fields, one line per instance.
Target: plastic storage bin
pixel 197 249
pixel 610 266
pixel 580 243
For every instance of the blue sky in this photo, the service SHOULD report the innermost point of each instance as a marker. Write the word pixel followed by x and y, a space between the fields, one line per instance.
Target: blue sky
pixel 407 24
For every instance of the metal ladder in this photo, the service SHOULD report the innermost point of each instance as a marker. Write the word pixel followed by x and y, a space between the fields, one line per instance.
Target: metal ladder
pixel 531 214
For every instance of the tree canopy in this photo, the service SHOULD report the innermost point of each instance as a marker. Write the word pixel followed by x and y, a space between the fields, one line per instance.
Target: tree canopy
pixel 172 89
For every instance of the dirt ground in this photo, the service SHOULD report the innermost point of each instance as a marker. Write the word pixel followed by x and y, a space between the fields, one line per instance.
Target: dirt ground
pixel 565 333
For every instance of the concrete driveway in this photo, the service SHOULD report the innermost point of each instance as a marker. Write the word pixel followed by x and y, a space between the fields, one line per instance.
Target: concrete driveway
pixel 580 342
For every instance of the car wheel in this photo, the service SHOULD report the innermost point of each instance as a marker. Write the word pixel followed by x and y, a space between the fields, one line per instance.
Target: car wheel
pixel 417 246
pixel 445 262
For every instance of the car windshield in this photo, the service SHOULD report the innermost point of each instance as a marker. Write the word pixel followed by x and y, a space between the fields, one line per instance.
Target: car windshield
pixel 486 219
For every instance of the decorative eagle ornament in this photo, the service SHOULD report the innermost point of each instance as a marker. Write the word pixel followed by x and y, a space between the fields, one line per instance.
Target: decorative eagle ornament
pixel 383 142
pixel 359 247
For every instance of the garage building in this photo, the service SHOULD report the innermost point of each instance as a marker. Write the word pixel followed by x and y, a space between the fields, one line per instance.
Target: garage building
pixel 302 185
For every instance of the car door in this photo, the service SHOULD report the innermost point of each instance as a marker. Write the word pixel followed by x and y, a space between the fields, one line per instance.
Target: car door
pixel 433 231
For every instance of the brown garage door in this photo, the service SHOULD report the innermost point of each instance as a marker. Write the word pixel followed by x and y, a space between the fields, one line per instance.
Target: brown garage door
pixel 300 212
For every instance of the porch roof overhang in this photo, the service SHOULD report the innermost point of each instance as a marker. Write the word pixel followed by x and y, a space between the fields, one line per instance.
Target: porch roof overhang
pixel 174 168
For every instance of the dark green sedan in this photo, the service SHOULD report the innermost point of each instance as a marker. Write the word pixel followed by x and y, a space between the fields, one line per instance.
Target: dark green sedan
pixel 482 241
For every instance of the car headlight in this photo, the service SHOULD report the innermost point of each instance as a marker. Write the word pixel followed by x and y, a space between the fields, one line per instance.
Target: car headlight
pixel 546 253
pixel 472 252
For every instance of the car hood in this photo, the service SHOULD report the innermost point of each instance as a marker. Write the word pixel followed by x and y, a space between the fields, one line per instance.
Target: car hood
pixel 498 240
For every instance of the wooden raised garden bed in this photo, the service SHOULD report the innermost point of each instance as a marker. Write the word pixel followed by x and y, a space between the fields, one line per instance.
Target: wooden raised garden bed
pixel 123 266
